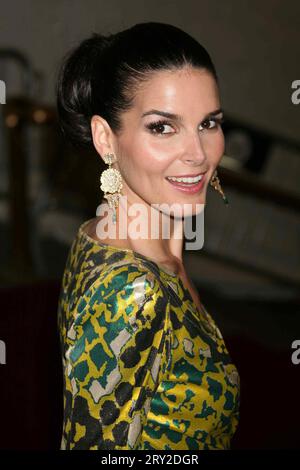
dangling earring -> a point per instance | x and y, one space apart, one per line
215 183
111 184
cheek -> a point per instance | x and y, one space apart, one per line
152 158
143 169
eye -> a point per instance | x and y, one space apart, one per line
157 127
216 123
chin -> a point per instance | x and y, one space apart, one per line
181 210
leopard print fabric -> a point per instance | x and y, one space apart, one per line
143 367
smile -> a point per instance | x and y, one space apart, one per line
185 179
189 184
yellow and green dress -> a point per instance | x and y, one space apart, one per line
143 367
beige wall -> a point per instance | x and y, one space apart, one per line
255 45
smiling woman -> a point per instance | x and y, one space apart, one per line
145 365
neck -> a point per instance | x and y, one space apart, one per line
147 229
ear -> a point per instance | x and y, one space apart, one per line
102 135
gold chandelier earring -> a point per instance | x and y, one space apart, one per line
111 184
215 183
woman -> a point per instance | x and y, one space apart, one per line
145 366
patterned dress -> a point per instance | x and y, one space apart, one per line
143 367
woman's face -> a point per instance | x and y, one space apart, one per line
152 147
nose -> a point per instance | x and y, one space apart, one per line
195 152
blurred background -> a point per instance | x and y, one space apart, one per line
247 273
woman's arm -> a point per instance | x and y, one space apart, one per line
114 358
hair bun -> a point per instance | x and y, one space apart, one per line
74 89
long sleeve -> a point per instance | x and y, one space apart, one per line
115 351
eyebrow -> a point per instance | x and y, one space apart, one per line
177 117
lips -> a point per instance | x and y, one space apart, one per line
190 188
186 176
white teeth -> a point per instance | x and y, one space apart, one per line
186 180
